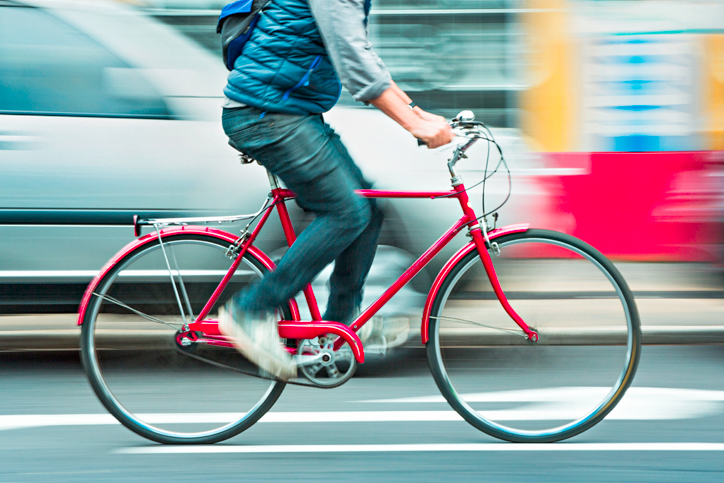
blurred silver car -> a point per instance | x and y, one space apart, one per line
106 113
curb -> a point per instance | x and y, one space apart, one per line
69 339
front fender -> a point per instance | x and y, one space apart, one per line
497 233
151 237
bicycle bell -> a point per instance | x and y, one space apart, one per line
465 116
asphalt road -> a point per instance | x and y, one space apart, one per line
681 437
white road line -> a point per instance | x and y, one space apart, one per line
360 416
639 403
19 421
566 393
417 448
642 404
41 420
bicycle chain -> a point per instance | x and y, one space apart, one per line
241 371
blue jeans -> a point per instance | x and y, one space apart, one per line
305 153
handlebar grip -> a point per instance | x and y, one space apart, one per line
420 142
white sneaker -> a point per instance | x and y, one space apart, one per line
381 333
257 338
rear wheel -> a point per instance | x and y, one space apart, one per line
140 370
589 329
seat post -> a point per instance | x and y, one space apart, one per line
273 180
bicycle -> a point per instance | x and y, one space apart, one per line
139 329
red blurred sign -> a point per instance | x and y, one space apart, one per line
657 206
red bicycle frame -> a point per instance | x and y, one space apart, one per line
293 329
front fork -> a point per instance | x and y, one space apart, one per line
483 244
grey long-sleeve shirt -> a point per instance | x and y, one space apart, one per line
344 31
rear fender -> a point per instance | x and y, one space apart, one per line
497 233
150 238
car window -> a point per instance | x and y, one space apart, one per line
49 67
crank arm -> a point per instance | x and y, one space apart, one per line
305 360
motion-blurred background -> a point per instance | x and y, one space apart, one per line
610 113
611 117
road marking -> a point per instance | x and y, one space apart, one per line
565 393
20 421
639 403
417 448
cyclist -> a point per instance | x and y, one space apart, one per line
288 75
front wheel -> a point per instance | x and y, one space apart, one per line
589 329
153 381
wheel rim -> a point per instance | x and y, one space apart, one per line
138 369
559 400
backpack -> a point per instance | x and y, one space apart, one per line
236 23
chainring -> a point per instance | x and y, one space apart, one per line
322 365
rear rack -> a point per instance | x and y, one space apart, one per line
135 218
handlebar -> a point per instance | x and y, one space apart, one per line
466 126
465 120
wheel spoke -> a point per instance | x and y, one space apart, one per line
112 300
171 388
470 322
503 385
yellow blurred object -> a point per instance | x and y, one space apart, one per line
713 98
549 105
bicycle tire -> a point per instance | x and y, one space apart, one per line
135 374
515 405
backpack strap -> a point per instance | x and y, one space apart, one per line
236 24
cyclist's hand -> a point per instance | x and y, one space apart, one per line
433 133
427 116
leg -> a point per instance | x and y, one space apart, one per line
300 150
311 160
353 264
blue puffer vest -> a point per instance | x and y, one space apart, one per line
284 66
